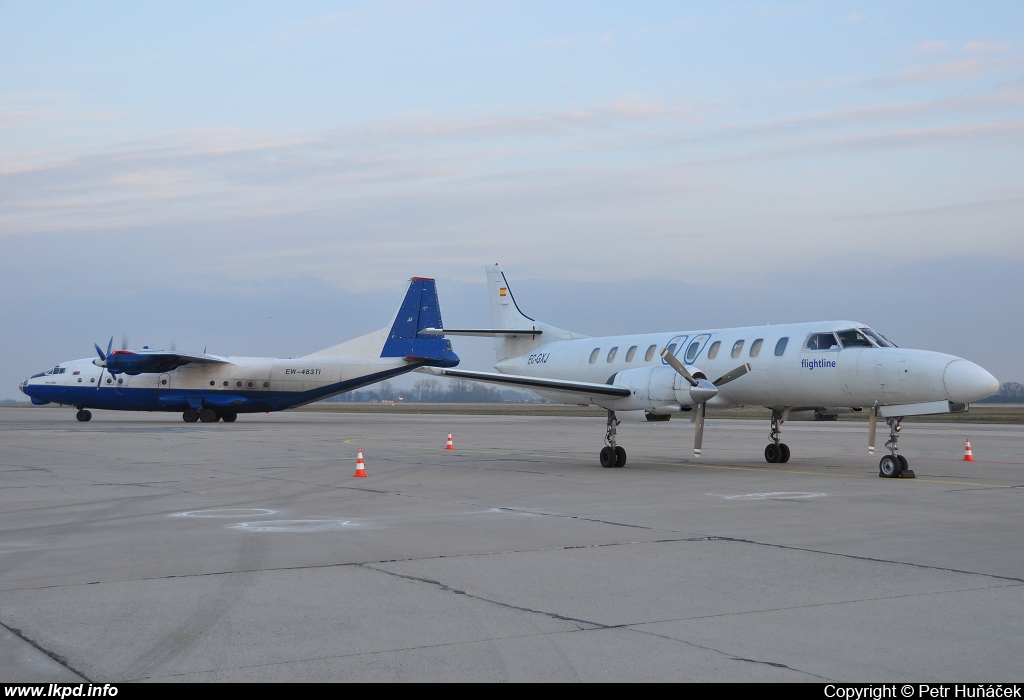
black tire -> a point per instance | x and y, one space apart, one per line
889 467
228 417
607 457
620 457
208 415
84 416
772 453
784 453
190 415
904 465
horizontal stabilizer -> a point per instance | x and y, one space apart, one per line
481 331
535 382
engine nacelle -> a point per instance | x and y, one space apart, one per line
658 390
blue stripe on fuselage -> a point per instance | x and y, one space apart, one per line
153 399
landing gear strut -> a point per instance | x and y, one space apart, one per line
83 415
611 454
776 452
894 465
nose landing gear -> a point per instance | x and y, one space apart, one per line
894 465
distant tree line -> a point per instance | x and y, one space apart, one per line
435 391
1009 392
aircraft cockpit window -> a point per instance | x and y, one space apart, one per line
593 355
650 353
854 339
821 341
780 347
755 347
611 353
880 340
630 353
737 348
691 352
713 350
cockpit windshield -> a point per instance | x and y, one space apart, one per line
862 338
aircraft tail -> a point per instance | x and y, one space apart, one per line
506 315
419 309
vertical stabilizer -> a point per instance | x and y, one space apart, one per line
506 315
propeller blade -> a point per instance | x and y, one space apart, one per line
110 345
99 351
124 342
698 428
675 364
872 420
100 380
732 374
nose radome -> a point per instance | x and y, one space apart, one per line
966 382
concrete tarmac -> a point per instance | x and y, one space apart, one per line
140 548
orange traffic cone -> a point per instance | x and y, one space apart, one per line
449 446
968 457
360 467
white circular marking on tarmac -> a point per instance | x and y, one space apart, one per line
771 495
295 526
224 513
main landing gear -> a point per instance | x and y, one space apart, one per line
612 456
84 415
776 452
894 465
206 415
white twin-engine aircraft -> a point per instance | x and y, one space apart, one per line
801 371
211 388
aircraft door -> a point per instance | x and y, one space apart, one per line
675 346
163 381
694 348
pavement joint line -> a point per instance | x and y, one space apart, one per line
56 657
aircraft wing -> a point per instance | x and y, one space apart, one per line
148 360
532 382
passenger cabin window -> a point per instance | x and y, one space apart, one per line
737 348
630 353
713 350
691 352
780 347
853 339
671 348
822 341
650 353
593 355
611 353
755 347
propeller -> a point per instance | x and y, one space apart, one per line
101 362
872 420
702 391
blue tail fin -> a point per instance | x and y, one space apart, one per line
419 310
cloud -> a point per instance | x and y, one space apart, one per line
958 69
931 46
986 47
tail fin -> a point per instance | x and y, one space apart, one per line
506 315
419 309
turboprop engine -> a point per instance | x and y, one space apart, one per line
664 390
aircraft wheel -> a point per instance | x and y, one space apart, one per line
190 415
620 457
84 416
228 417
607 457
783 453
772 453
889 467
207 415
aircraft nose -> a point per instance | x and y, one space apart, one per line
21 387
966 382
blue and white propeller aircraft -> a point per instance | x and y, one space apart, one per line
210 388
801 371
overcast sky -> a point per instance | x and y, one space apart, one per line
262 178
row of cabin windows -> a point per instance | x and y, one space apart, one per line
694 349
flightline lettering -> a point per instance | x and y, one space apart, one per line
814 364
302 371
538 358
923 690
60 690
